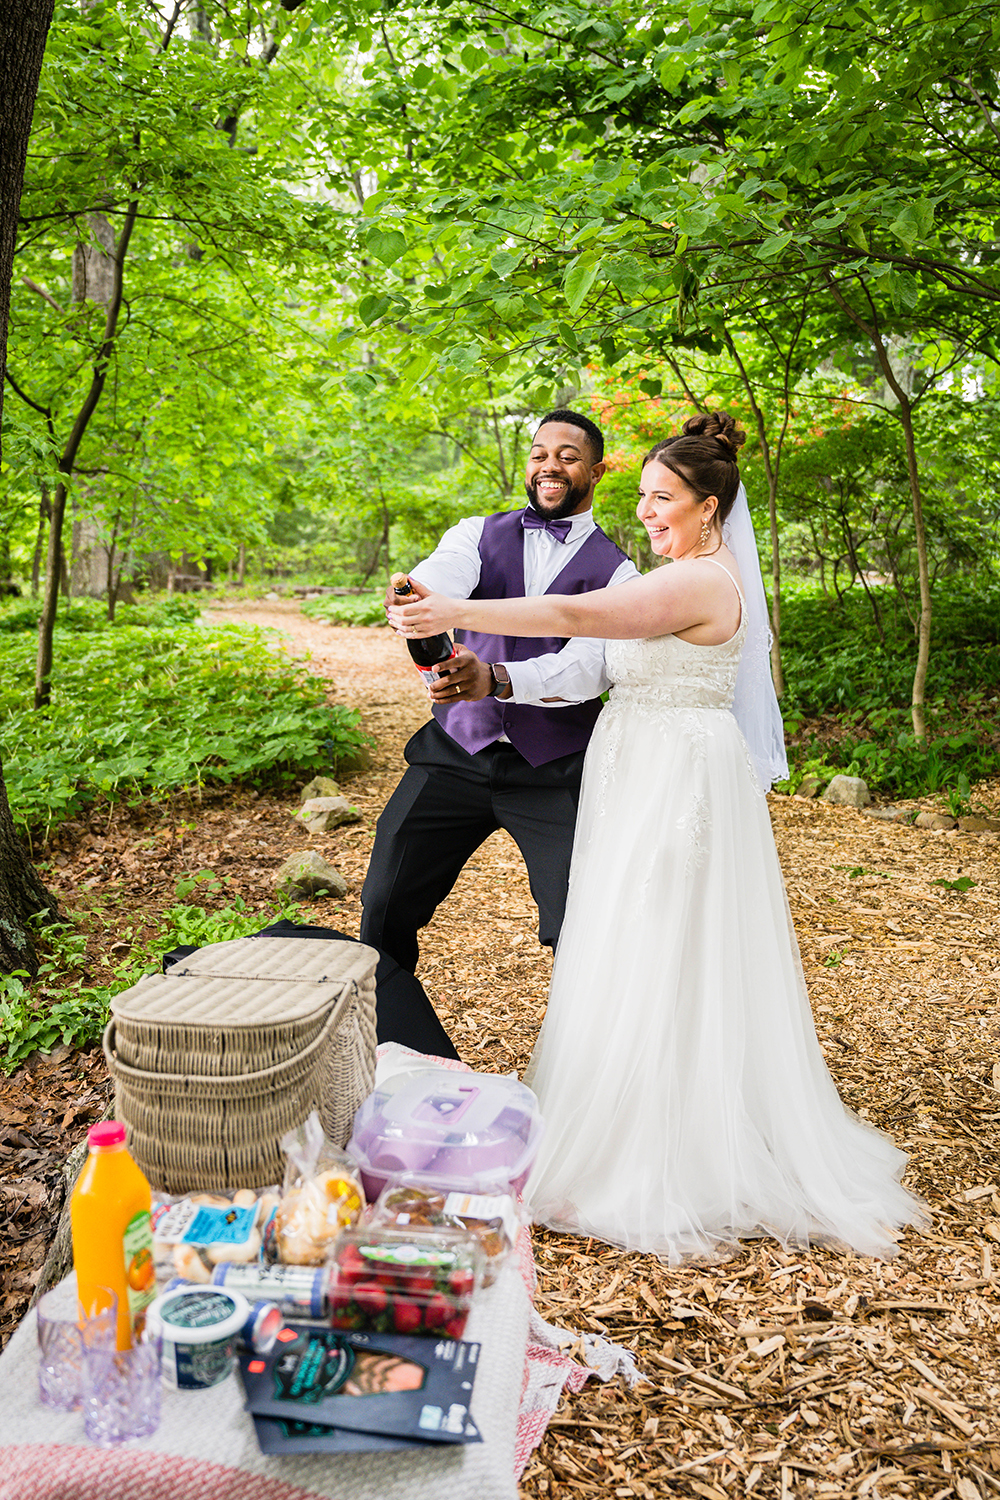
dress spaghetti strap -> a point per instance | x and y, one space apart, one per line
739 591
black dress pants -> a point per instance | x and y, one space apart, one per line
447 804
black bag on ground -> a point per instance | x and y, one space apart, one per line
404 1013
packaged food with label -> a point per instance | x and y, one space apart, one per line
322 1194
199 1327
494 1218
194 1234
297 1291
391 1280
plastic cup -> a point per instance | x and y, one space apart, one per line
121 1391
62 1321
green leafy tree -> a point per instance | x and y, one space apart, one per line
23 29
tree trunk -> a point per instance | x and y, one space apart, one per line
22 897
24 25
44 511
67 461
920 533
905 414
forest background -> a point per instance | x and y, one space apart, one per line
293 282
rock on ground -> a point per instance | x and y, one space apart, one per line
849 791
320 786
307 874
321 814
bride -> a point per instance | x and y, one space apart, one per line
686 1099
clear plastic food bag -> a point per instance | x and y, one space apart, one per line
321 1195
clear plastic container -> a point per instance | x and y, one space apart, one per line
494 1219
463 1132
386 1280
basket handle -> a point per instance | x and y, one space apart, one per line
139 1075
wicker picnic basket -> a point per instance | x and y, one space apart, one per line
214 1061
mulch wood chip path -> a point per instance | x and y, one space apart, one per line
777 1374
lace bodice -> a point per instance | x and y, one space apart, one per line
667 672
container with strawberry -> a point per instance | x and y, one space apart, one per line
388 1280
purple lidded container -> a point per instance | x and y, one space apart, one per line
458 1132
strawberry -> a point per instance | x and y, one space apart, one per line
351 1265
371 1297
461 1283
455 1326
438 1311
406 1317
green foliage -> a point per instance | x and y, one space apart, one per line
145 711
836 662
845 703
65 1007
186 923
347 609
83 614
34 1025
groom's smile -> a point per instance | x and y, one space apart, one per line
561 472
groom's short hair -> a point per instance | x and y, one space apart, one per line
576 419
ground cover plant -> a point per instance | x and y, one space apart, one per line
848 668
348 609
143 710
68 1004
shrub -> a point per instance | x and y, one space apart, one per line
347 609
146 711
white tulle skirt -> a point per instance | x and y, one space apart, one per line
686 1099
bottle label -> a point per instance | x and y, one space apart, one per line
433 675
140 1271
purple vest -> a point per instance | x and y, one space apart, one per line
540 734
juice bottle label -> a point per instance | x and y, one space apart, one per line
140 1271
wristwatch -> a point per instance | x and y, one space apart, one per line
500 676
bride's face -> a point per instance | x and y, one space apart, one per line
671 512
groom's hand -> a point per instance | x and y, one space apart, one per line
465 672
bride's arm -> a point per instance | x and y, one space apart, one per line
670 599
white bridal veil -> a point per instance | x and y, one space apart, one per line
755 705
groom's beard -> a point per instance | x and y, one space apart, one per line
555 510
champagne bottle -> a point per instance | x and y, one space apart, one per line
429 653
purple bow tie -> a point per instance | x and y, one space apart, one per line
532 521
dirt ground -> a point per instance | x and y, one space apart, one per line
776 1374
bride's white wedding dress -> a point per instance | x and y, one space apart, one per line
686 1099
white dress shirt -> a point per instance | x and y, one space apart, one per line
573 674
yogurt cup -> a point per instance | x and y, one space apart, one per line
199 1326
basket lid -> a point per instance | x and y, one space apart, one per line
211 1000
319 960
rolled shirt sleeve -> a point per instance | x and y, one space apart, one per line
453 566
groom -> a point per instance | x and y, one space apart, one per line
512 717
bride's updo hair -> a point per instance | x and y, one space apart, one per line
703 454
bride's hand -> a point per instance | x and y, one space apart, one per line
423 613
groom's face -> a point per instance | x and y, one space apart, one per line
561 472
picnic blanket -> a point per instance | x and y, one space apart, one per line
205 1448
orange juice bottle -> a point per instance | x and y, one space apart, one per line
112 1228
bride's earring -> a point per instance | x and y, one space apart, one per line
706 532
